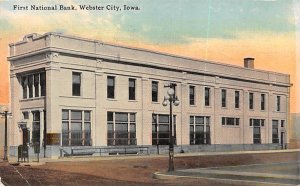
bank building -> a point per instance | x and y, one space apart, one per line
71 93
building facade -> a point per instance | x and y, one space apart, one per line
68 91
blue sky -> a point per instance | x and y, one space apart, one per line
173 21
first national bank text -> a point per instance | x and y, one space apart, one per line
109 7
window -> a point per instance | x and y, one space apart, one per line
256 122
223 97
230 121
278 103
256 135
110 87
30 86
282 123
76 83
207 96
199 130
192 95
237 99
251 101
36 85
24 84
25 115
262 102
121 128
36 127
76 128
160 129
87 128
131 89
43 83
154 91
33 85
275 136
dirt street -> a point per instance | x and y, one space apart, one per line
131 171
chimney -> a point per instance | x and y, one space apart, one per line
249 62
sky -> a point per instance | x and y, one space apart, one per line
217 30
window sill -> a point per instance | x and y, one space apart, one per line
111 99
155 102
132 100
32 99
208 106
231 126
193 105
237 108
224 108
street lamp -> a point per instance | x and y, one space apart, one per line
172 99
5 114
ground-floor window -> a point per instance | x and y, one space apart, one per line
76 128
36 127
275 136
199 130
121 128
160 129
257 124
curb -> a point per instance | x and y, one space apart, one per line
161 176
27 164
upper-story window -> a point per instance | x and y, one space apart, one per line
111 87
30 86
223 100
262 101
154 91
131 89
76 83
33 85
236 99
192 95
251 100
230 121
282 123
207 96
24 84
278 103
36 85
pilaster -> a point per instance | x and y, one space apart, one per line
53 111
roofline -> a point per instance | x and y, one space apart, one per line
150 51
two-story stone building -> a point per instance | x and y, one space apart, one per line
68 91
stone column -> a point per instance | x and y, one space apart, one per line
99 125
14 135
144 131
53 112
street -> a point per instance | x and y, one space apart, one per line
129 170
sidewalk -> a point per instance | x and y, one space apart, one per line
257 174
33 160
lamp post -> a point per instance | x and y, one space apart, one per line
173 99
5 114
